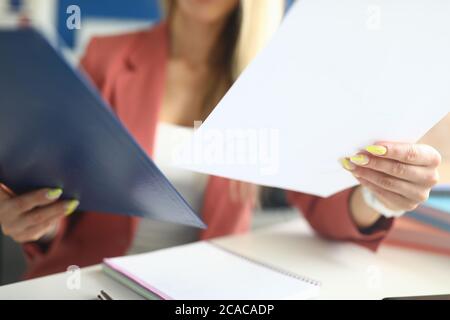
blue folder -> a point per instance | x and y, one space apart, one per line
56 131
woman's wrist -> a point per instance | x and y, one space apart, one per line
363 216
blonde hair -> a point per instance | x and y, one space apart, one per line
248 30
259 20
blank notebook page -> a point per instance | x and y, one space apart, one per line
206 271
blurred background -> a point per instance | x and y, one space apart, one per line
100 17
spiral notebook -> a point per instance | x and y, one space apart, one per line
206 271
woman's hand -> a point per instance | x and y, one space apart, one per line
31 216
400 175
243 191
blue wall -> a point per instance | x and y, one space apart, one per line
15 4
145 10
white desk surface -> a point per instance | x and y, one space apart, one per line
346 271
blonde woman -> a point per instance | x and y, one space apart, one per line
160 81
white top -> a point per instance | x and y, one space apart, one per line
153 235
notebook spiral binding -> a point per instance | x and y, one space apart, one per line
269 266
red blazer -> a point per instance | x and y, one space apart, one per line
129 70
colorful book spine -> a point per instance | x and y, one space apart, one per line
435 212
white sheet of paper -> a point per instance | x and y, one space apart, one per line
337 76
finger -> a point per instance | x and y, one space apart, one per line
39 216
417 154
421 175
391 200
249 192
5 192
35 232
246 191
11 208
389 183
254 194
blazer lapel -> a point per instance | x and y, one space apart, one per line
140 83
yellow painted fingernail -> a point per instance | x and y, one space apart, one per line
347 164
54 194
72 206
377 150
360 159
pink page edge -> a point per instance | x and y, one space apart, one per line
137 280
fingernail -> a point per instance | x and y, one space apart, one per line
54 194
347 164
360 159
72 206
377 150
